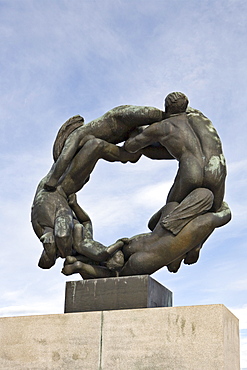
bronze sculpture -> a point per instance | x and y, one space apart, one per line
194 206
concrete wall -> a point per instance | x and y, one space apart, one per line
194 338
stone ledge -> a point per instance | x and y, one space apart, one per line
193 337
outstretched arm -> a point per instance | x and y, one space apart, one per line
153 151
83 219
149 136
114 153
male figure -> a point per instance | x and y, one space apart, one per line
146 253
190 138
193 141
115 126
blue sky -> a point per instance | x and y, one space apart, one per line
61 58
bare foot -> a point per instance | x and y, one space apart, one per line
72 268
175 265
116 262
192 256
69 260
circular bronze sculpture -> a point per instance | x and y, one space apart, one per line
194 206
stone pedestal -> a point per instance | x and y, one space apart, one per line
139 291
172 338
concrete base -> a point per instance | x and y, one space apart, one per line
178 338
140 291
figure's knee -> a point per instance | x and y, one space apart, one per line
94 145
205 194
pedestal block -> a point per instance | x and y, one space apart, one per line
172 338
139 291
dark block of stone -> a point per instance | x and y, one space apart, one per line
140 291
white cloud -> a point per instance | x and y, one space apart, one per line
239 285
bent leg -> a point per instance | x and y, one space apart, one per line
169 248
161 214
154 219
196 232
197 202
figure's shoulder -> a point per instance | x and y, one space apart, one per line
194 112
164 127
196 116
200 123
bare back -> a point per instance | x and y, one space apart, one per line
215 166
177 135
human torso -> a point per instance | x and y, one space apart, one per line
215 166
180 139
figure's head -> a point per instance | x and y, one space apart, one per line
176 102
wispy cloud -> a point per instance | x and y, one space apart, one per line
63 58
